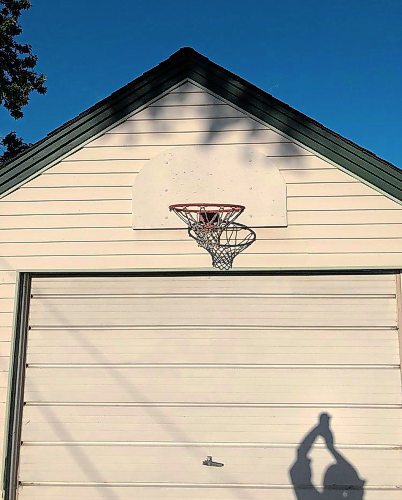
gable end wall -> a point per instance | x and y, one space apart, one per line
78 214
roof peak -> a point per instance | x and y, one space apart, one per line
187 63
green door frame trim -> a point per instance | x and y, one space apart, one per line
15 400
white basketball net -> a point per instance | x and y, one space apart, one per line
214 229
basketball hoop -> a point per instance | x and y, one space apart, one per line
207 215
212 226
233 240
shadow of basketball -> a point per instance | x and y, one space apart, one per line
341 480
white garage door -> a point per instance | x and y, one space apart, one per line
131 382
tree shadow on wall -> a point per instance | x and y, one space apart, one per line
341 480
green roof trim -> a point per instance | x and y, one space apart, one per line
186 63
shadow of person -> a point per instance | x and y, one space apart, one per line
341 480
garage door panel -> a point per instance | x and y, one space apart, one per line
214 385
214 433
268 465
169 493
206 424
212 311
351 355
199 337
341 397
203 302
343 284
138 379
209 346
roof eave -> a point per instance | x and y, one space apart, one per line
187 63
308 132
93 121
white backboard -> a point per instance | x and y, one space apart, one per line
209 174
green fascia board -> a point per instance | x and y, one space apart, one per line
308 132
92 122
189 64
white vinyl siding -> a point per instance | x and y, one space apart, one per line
78 214
7 300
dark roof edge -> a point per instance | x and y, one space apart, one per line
310 133
94 120
187 63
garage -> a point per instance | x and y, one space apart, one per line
200 299
131 382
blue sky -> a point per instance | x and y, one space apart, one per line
338 61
